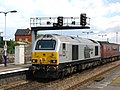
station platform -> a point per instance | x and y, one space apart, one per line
111 81
10 68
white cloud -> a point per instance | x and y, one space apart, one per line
114 7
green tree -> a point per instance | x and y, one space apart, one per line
1 44
11 46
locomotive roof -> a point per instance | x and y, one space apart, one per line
106 42
70 39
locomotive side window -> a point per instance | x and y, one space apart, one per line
74 52
45 45
64 49
96 50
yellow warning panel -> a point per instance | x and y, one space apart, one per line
116 82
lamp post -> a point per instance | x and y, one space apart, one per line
88 33
102 35
116 37
1 33
5 46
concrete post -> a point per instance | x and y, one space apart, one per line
19 54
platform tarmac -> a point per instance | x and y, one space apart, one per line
13 68
111 81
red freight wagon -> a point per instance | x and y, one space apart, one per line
109 49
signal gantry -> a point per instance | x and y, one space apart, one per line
58 23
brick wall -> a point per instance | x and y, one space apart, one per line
23 38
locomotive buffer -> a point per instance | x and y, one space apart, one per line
58 23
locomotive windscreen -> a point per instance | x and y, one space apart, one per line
45 45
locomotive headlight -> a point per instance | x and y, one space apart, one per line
53 61
34 60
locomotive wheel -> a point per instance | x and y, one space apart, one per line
61 74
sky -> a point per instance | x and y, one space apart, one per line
104 16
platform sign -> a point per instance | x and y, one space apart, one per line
5 47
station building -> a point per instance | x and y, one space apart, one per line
23 35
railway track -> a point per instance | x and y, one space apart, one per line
13 84
68 83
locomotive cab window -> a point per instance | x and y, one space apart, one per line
45 45
96 50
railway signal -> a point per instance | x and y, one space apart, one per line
60 21
83 19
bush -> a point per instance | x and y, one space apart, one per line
1 59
